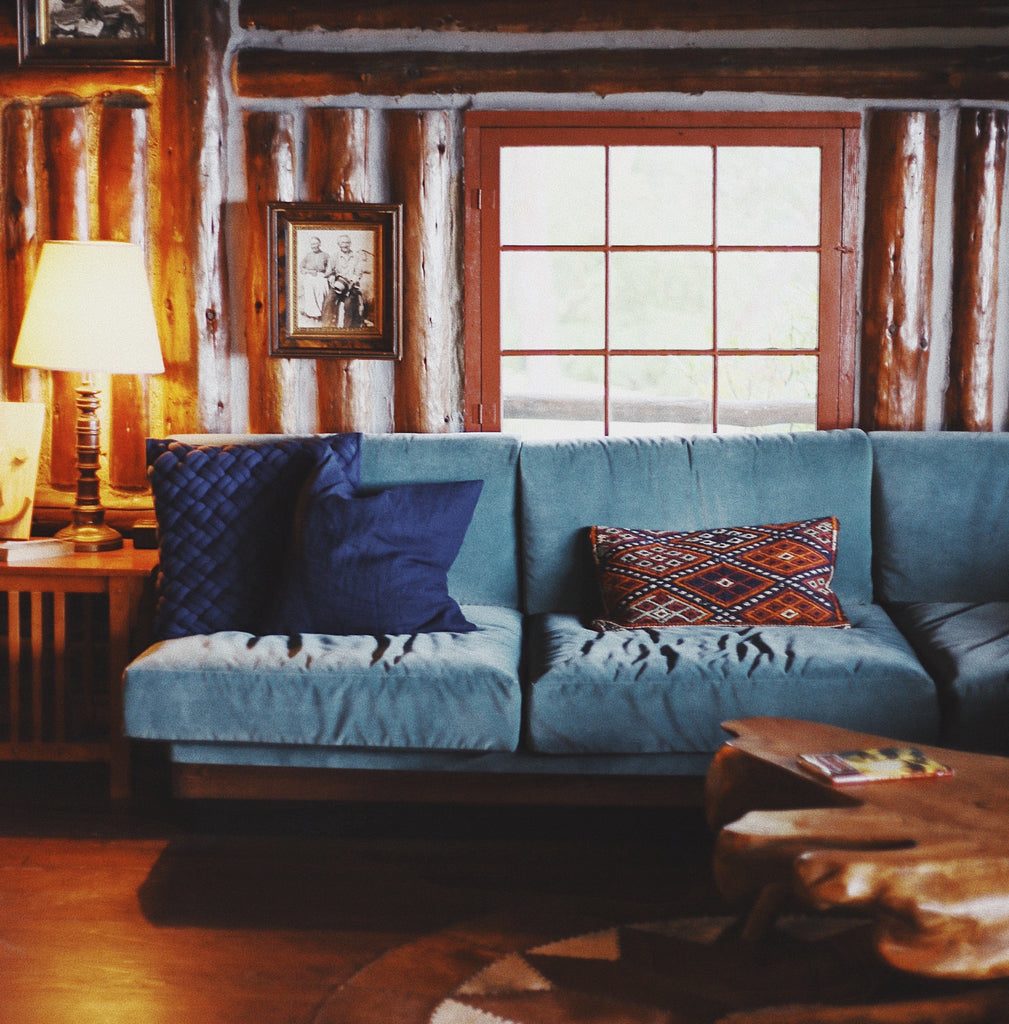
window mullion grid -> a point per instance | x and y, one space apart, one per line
606 294
714 290
715 351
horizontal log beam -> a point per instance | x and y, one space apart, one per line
589 15
923 73
18 83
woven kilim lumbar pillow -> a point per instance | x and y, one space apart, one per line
727 576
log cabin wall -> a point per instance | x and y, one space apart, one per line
333 102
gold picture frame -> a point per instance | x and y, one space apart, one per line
335 289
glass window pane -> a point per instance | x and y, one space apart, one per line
552 300
552 396
661 300
768 195
661 195
768 300
766 393
553 195
660 395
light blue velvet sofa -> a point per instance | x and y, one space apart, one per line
535 704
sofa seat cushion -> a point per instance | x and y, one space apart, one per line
427 691
669 689
966 649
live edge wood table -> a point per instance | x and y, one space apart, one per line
928 859
54 657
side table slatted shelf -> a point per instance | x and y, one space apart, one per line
72 623
55 676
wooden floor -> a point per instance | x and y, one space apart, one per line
160 913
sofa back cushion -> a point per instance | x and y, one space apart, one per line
486 568
940 512
686 484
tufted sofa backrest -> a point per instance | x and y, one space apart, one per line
687 484
941 516
486 569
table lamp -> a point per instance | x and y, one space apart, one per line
90 312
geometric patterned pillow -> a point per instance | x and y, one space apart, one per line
728 576
225 515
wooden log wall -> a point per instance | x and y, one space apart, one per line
605 16
192 285
122 217
897 328
422 391
277 402
980 182
131 155
342 165
427 174
65 138
897 289
75 167
184 161
21 233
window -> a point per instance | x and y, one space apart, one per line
659 273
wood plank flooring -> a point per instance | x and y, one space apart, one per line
161 913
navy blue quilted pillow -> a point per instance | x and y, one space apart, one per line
224 521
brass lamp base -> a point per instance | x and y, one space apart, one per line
87 529
92 536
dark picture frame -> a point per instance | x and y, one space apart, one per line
88 33
335 286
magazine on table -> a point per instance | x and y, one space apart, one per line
874 764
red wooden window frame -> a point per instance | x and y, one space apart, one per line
835 133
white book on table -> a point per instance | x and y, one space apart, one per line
19 552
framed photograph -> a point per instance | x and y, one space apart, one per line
90 33
335 285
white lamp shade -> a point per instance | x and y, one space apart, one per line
90 311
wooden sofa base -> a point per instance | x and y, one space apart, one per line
240 782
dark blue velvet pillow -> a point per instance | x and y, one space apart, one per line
224 515
375 563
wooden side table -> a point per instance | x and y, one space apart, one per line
47 648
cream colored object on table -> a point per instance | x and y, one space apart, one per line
21 425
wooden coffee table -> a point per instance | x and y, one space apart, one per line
927 859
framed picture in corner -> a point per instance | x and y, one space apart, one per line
95 33
335 282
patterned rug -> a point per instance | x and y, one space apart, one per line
598 976
494 918
685 971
